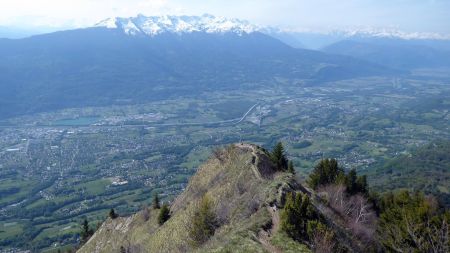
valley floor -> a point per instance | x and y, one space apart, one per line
57 168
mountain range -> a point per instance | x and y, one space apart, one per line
151 26
148 58
395 53
212 24
133 60
319 39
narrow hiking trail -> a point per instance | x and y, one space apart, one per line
265 236
252 148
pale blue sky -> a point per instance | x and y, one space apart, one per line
407 15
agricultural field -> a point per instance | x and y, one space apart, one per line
61 167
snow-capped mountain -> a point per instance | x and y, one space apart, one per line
319 38
151 26
392 33
154 25
365 32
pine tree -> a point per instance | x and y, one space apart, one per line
204 222
155 203
325 172
361 182
291 168
288 216
355 184
164 214
341 179
295 215
278 157
112 214
352 187
99 224
85 231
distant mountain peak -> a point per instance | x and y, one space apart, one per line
154 25
389 32
369 32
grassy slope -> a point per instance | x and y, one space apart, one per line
240 195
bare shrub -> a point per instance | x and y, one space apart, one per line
145 213
429 236
323 242
362 218
335 197
439 237
224 154
219 154
355 210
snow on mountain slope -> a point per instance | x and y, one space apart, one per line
364 32
155 25
393 33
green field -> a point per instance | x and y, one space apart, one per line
82 121
61 172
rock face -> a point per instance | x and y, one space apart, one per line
242 184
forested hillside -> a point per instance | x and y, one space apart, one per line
426 168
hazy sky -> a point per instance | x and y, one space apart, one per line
408 15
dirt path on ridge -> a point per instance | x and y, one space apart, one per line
264 236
